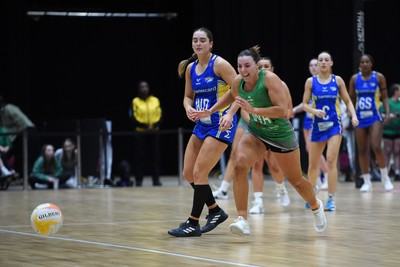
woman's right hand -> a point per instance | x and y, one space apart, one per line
190 113
225 122
319 113
198 114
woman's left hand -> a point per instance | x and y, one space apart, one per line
243 104
354 121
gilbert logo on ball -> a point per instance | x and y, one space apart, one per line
46 219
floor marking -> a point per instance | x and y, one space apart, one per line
127 247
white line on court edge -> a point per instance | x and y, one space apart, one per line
127 247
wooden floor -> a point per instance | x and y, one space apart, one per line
128 227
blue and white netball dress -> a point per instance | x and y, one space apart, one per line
209 88
327 98
368 105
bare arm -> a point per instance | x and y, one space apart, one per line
306 100
307 94
275 89
189 94
352 90
244 115
289 96
233 109
346 99
280 101
384 95
226 121
298 108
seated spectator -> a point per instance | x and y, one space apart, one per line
67 155
46 170
15 122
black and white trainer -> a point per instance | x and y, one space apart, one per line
185 229
213 220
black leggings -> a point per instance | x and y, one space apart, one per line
147 155
33 180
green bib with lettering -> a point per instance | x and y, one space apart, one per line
278 132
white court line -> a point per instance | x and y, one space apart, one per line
99 223
128 247
252 217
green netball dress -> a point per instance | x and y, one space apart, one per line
278 133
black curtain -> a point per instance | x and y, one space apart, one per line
82 68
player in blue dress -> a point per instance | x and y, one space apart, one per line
367 88
207 78
325 91
307 125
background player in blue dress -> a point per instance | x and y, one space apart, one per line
325 90
207 78
307 124
367 89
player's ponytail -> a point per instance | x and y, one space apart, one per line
184 63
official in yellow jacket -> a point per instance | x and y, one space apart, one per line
146 114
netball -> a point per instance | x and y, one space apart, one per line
47 219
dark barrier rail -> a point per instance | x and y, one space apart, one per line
101 135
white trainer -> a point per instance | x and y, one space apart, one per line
258 206
366 187
319 218
278 192
240 226
324 185
387 184
285 199
220 194
41 186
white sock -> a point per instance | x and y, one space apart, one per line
325 177
384 173
366 177
280 186
258 195
225 186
